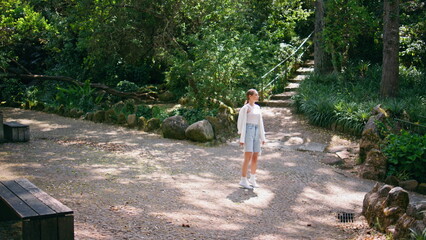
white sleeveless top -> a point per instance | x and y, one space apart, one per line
253 114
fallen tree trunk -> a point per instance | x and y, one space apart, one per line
142 96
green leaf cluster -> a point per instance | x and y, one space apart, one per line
80 97
233 45
406 152
344 100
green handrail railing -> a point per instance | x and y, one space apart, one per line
262 88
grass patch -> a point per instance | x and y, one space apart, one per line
344 101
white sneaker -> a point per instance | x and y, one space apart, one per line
245 184
253 182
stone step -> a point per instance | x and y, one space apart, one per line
291 87
297 78
276 103
304 70
283 96
308 63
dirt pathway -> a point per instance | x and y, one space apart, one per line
127 184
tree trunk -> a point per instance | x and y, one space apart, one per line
389 84
322 60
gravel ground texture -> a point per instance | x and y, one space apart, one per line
128 184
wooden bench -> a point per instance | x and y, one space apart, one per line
16 132
42 216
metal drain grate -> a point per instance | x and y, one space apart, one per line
345 217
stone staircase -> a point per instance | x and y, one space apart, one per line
284 99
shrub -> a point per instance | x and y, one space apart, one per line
193 115
81 97
143 111
127 86
346 99
406 152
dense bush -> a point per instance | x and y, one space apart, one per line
406 153
80 97
345 100
193 115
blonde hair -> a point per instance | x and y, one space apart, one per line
249 93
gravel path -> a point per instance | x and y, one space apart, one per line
127 184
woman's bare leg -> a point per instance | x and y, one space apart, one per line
254 158
247 158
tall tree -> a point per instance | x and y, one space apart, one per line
389 84
322 59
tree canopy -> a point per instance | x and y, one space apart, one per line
213 49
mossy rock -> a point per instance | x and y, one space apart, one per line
110 116
118 107
132 121
121 119
166 96
201 131
39 106
89 116
75 113
49 109
99 116
153 124
60 110
142 123
174 127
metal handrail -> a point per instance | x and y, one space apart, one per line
294 52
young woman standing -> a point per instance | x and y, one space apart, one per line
252 134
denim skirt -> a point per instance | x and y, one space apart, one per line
252 141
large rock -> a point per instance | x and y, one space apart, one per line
224 123
374 162
201 131
414 219
374 167
410 185
371 138
174 127
383 206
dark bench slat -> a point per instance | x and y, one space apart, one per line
54 204
16 203
33 202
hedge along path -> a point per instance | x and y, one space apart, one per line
128 184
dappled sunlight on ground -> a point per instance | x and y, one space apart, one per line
126 184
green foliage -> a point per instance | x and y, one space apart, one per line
11 91
126 86
418 235
143 111
80 97
413 34
344 100
407 152
160 113
23 33
345 21
193 115
232 48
